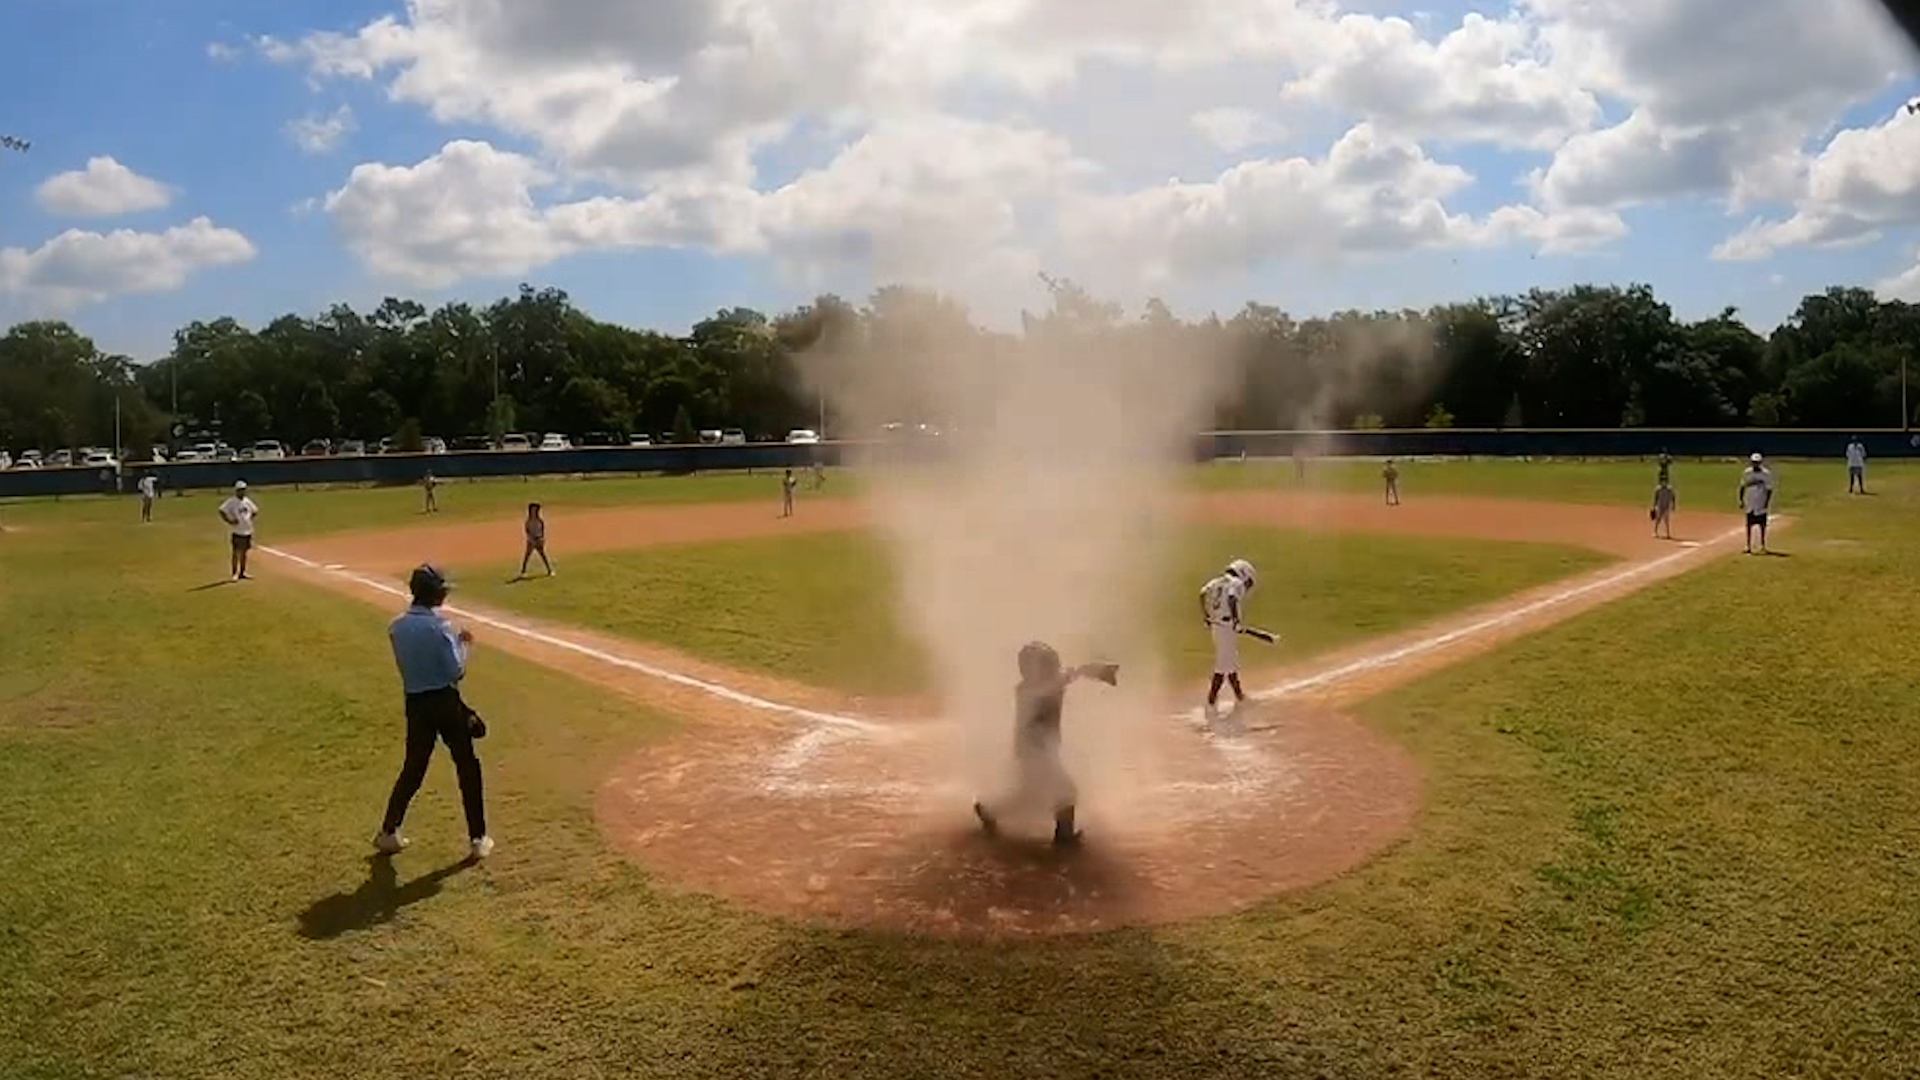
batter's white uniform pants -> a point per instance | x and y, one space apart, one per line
1226 649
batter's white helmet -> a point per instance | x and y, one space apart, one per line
1241 569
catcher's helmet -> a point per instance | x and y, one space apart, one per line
1038 661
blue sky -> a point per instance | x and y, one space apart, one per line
138 84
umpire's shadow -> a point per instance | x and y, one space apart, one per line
376 901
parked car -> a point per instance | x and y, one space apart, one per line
473 442
157 455
33 456
27 463
316 448
60 459
100 459
352 448
711 437
516 443
436 445
641 439
555 442
268 450
223 452
733 436
803 437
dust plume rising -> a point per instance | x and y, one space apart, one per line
1039 511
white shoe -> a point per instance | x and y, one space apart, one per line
480 848
389 843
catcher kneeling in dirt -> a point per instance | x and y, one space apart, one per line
1042 780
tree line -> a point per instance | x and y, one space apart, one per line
1587 356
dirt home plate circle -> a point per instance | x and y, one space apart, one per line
841 827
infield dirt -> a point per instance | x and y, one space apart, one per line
849 824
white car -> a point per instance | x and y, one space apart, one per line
556 442
268 450
733 436
100 459
515 442
639 440
803 437
27 463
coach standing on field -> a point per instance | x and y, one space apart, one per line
432 657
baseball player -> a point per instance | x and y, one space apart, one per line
1222 601
149 490
432 658
1856 466
238 512
819 476
1392 476
536 541
1041 779
787 484
1756 496
1664 500
428 484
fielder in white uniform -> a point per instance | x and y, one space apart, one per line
1222 601
238 512
149 490
1856 466
1756 497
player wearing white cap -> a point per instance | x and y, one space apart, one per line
1221 604
238 512
1756 498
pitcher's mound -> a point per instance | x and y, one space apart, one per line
826 825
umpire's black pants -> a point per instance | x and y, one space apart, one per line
439 715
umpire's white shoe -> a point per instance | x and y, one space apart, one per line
389 843
480 848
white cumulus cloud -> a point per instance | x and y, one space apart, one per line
318 134
972 140
77 267
105 188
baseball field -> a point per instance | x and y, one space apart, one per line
1522 792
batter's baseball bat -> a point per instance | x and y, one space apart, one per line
1258 634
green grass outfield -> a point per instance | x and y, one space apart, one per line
822 608
310 511
1678 837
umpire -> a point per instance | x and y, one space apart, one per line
432 658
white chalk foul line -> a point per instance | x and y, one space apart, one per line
1246 766
725 693
1391 657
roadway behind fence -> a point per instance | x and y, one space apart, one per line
395 469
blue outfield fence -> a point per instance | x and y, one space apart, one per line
396 469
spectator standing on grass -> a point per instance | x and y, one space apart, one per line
1856 467
432 658
1756 498
1392 476
536 540
428 485
787 484
149 489
238 512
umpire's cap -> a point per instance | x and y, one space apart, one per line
427 582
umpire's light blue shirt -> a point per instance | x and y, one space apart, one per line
427 650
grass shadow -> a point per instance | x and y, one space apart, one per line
376 901
211 585
1115 1006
